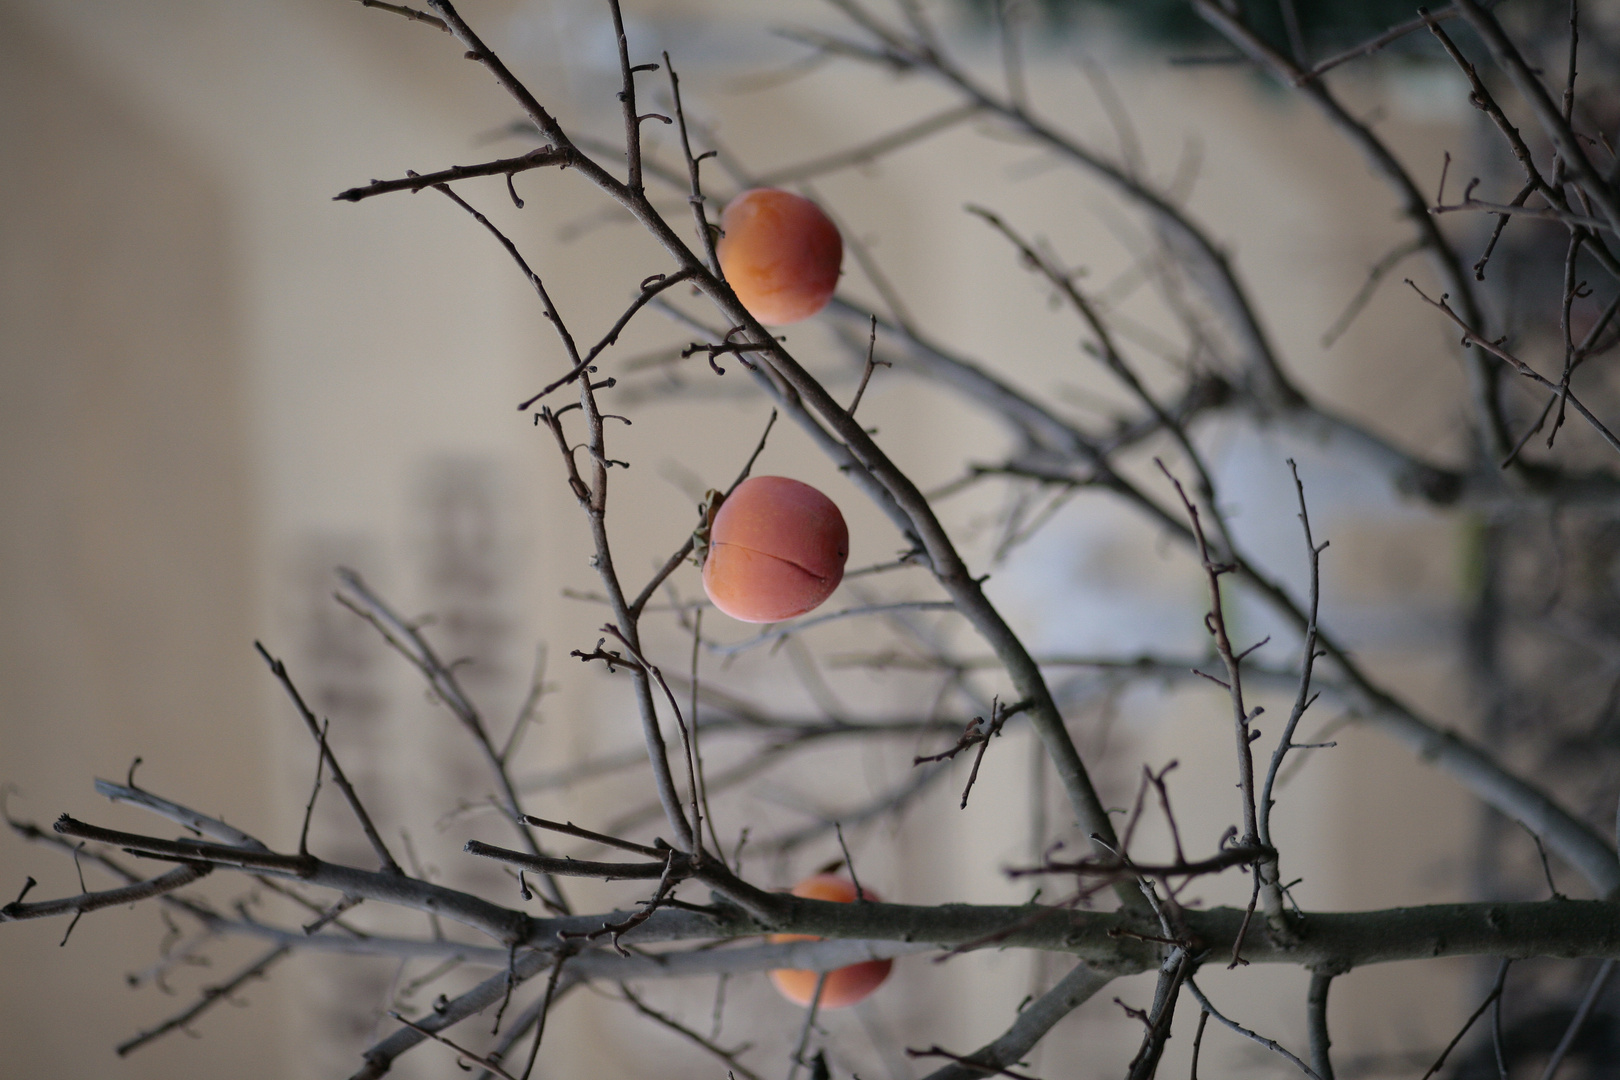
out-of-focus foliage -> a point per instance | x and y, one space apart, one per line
1323 23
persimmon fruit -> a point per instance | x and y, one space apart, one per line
845 985
780 254
776 549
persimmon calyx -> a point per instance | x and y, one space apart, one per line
709 507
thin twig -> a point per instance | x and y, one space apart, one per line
408 12
1034 1020
727 1056
1495 349
694 170
639 604
1375 275
462 1053
650 288
866 374
1308 657
211 995
1269 1044
1494 996
1367 48
868 152
407 639
797 1057
508 167
1593 991
279 670
545 1010
309 808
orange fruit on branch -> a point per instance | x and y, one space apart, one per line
776 549
780 254
845 985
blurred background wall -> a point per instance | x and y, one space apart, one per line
217 384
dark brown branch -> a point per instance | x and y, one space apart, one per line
1546 111
552 984
1339 941
871 364
627 103
537 113
566 867
694 171
279 670
1266 880
1496 230
1546 213
978 733
649 289
695 846
526 1020
508 167
1571 355
639 604
1241 855
1198 1042
1473 337
1551 190
570 829
1302 700
393 888
462 1053
593 496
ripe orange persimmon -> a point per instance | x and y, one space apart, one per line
845 985
780 254
776 549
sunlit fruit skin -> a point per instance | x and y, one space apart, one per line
780 254
776 549
845 985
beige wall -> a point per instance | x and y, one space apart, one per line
128 539
217 383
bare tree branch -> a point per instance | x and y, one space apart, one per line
1034 1021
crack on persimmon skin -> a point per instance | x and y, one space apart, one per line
822 578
